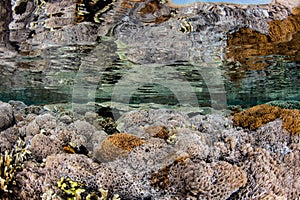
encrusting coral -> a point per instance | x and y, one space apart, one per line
259 115
291 120
116 145
256 116
158 131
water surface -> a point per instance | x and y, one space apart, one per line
215 63
186 2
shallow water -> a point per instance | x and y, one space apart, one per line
204 68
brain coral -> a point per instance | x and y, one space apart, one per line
259 115
116 145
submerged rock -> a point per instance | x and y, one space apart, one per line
6 115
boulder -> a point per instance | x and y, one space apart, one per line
6 115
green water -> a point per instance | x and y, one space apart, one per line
57 83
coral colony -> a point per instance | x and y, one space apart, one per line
158 154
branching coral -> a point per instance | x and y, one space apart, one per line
76 191
10 163
72 189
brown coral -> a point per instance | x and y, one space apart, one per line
116 145
158 131
246 44
125 141
291 120
259 115
256 116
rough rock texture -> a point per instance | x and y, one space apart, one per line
43 146
178 157
6 117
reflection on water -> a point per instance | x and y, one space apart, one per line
185 2
211 57
266 65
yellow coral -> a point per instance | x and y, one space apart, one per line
71 188
11 162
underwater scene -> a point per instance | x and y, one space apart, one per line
149 99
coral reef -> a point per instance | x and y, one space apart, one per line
291 120
256 116
72 190
6 117
43 146
42 123
158 131
116 145
259 115
10 163
108 125
281 39
208 158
